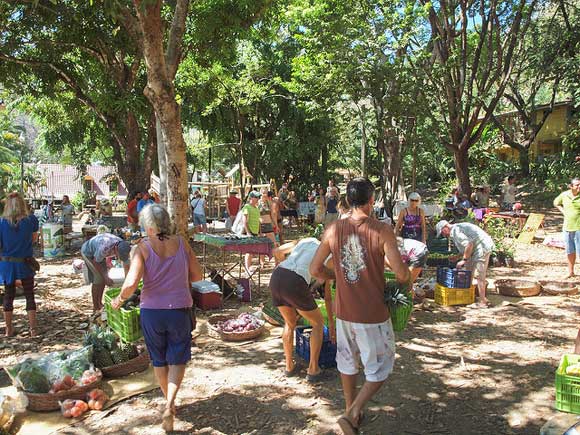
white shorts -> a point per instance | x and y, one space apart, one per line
371 343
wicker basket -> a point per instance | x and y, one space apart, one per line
137 364
518 288
49 401
555 288
232 336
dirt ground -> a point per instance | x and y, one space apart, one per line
459 370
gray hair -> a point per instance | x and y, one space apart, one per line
156 217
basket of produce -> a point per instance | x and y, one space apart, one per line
115 358
240 328
555 288
54 377
440 258
50 401
400 305
517 288
125 320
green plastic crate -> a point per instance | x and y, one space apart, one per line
320 303
124 322
567 386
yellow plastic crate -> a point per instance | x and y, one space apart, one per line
454 296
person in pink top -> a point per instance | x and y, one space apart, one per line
167 265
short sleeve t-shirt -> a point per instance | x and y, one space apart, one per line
234 205
198 205
464 233
143 203
571 205
509 193
300 258
253 215
100 247
411 250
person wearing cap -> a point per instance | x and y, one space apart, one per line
411 220
475 247
251 220
233 204
95 252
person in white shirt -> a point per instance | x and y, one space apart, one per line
290 288
475 247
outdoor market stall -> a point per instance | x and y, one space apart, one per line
233 243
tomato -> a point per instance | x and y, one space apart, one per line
99 405
68 381
76 412
82 405
67 413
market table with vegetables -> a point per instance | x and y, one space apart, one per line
234 243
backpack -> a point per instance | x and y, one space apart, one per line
238 225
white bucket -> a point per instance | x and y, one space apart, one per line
117 275
53 240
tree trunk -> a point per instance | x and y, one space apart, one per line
160 91
525 160
390 149
162 162
133 166
461 159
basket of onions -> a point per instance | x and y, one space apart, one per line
241 328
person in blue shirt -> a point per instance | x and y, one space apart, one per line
95 252
18 231
144 201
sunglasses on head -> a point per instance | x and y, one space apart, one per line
414 200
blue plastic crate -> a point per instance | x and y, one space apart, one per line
327 357
453 278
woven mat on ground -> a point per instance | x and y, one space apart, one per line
35 423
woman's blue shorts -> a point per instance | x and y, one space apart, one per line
167 335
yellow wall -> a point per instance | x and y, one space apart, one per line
549 138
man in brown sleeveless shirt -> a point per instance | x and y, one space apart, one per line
359 245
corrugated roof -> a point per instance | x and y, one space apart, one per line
66 180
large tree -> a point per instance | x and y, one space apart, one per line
160 30
473 46
72 49
536 81
358 53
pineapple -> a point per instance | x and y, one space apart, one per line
102 340
124 352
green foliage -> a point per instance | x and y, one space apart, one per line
81 198
503 235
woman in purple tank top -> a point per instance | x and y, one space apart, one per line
411 220
167 265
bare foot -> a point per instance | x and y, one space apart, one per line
33 332
10 333
570 275
167 424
